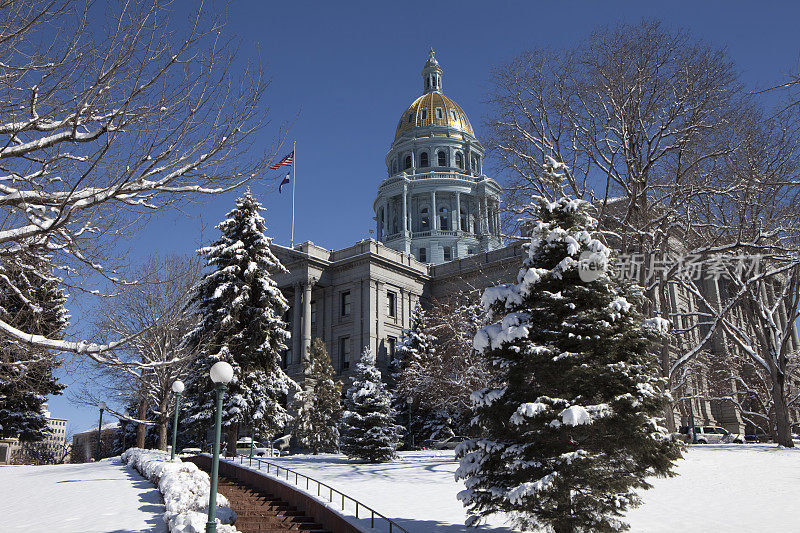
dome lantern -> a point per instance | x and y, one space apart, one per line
432 75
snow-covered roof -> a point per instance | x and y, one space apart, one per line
110 425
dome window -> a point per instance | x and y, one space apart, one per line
410 117
453 114
442 159
424 114
408 162
423 159
459 160
439 113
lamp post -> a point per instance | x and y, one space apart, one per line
252 440
102 407
177 388
221 374
690 392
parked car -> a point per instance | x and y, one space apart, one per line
259 449
449 443
711 435
191 451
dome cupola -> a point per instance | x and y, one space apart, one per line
432 74
437 203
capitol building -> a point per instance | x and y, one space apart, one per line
437 233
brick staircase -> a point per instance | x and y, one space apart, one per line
260 512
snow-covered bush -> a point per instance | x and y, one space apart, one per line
185 489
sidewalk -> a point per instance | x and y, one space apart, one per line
83 498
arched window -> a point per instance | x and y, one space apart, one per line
424 220
423 159
427 83
459 160
464 225
442 159
394 167
444 218
408 162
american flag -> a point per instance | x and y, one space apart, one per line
285 162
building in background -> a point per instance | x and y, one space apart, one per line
84 444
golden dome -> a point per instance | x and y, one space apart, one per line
433 109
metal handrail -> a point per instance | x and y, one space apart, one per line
393 526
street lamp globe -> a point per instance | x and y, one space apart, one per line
178 387
221 372
101 406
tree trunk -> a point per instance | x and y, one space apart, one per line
783 426
141 429
163 424
233 436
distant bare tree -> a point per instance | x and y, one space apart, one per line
112 112
154 306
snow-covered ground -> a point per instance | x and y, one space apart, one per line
83 498
728 488
725 487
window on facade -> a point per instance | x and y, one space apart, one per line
427 83
313 312
394 167
424 220
471 251
439 112
448 253
408 161
391 348
346 303
424 114
423 159
344 353
391 304
459 160
474 164
442 159
423 256
444 218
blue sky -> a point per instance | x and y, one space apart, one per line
347 70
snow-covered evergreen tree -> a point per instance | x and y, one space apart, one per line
573 431
32 301
416 353
368 430
240 309
317 422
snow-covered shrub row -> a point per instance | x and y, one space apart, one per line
185 489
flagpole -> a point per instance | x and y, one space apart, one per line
294 157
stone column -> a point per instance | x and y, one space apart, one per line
306 320
296 326
457 225
405 209
434 214
485 216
